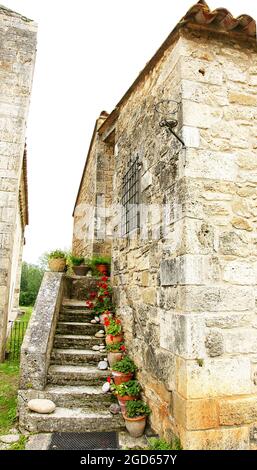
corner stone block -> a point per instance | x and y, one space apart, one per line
213 165
183 335
196 414
216 299
214 377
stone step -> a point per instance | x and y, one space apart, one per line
76 316
76 375
77 328
78 396
72 420
76 356
76 341
74 304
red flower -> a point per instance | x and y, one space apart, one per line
118 322
111 337
104 278
109 379
89 304
123 348
106 322
93 295
104 286
100 299
106 293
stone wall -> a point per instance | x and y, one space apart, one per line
187 297
94 199
17 58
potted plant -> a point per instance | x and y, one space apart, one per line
113 331
123 370
135 417
78 265
115 352
102 264
57 261
127 391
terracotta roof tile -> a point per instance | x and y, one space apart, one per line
221 19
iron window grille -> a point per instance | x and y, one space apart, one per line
130 198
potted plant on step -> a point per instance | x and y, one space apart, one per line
102 264
113 331
135 417
115 352
80 268
123 370
57 261
127 391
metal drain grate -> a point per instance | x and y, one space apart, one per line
84 441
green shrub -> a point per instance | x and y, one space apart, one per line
114 327
76 260
131 388
161 444
126 365
56 254
114 347
100 260
136 408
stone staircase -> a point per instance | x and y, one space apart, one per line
74 383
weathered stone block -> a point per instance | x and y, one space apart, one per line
241 340
214 343
195 414
197 298
214 377
182 334
237 411
217 439
240 272
213 165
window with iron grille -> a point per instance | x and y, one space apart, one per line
130 198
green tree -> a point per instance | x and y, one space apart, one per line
31 277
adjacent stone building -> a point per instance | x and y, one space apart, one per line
17 59
185 253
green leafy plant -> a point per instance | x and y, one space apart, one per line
126 365
76 260
100 260
114 347
56 254
131 388
135 408
113 327
161 444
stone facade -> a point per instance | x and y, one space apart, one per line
94 199
185 283
17 59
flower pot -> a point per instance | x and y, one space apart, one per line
102 268
120 377
110 339
135 426
81 270
57 265
123 400
114 357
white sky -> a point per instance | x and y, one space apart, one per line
89 53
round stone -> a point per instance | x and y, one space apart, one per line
99 335
96 348
114 408
97 319
93 321
101 331
41 405
106 387
103 365
9 438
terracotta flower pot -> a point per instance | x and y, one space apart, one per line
135 426
102 268
120 377
57 265
122 401
110 339
114 357
81 270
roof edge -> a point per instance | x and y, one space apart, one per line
8 12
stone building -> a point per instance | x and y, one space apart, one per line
185 251
17 59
